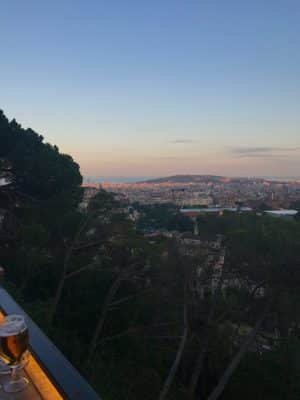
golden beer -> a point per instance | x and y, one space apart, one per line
13 339
13 347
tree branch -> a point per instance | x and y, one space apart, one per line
128 298
78 271
168 382
87 245
236 360
205 339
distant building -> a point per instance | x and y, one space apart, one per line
282 213
194 212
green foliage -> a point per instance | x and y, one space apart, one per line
270 376
144 321
163 216
37 170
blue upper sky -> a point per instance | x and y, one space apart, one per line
157 87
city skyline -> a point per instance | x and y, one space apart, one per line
160 88
95 180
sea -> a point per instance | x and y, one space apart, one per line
117 179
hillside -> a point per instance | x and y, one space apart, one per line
187 179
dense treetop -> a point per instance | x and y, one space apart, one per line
33 167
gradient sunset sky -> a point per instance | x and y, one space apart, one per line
160 87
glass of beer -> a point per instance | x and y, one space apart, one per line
13 346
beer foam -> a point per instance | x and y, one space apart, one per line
12 325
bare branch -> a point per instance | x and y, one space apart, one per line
128 298
79 271
237 358
205 339
87 245
119 335
168 382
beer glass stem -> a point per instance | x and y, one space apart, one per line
15 374
17 382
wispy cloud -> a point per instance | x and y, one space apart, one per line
168 158
182 141
263 151
250 150
182 158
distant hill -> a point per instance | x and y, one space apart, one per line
187 179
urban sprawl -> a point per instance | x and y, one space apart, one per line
208 193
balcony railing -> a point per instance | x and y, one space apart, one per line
51 375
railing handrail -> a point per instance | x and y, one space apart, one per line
63 375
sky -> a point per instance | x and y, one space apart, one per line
160 87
